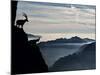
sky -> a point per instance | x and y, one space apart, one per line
53 18
88 2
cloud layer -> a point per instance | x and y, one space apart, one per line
57 18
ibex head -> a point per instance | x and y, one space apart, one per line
25 17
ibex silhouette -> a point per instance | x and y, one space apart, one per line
22 22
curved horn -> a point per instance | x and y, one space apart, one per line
24 14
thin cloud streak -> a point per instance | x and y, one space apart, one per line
60 19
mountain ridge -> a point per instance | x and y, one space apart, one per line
74 39
84 59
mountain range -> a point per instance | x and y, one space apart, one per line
74 39
84 59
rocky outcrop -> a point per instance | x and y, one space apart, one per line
26 57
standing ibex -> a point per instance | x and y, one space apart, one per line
21 22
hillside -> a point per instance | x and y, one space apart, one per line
82 60
26 57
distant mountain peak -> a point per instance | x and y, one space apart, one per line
74 39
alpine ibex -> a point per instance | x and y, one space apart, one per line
22 22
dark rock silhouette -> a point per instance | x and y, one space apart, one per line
13 11
33 36
82 60
26 57
34 41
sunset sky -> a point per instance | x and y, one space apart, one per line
61 19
